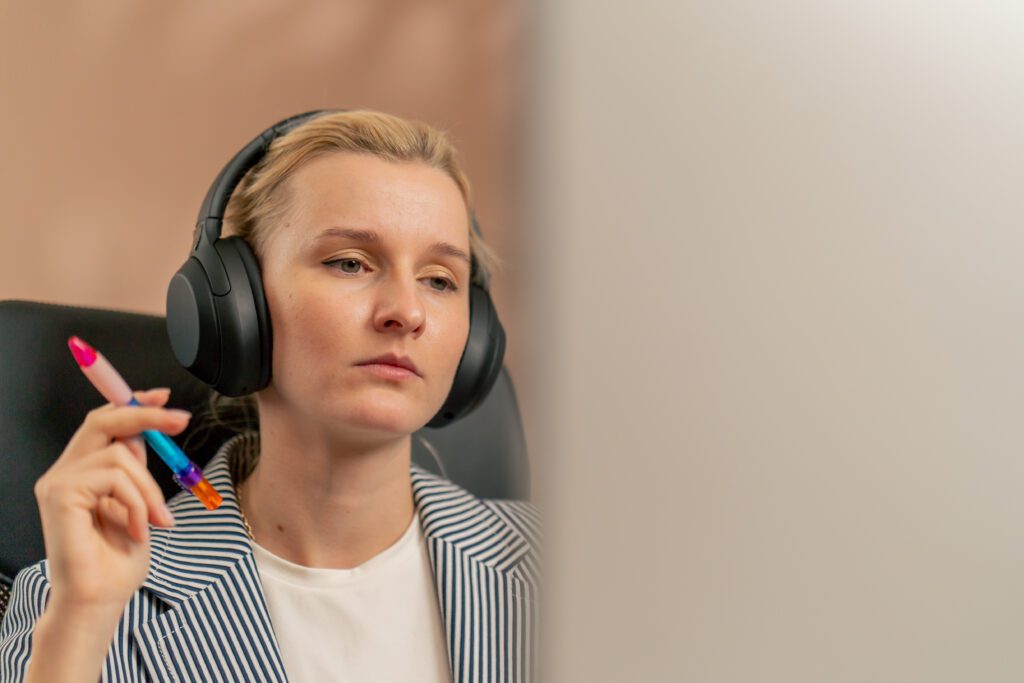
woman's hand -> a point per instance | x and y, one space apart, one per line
96 502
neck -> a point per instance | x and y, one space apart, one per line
318 500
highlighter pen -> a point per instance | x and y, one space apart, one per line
113 387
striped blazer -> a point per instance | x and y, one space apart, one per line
201 614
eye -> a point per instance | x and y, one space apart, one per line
346 265
450 285
345 262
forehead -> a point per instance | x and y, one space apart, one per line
403 201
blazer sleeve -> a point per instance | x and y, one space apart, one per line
29 596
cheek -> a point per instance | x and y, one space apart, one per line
308 327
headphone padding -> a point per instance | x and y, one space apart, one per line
244 322
481 360
192 322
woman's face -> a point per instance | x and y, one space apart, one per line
364 266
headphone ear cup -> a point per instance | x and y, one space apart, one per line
192 324
224 341
481 360
246 339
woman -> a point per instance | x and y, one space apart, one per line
332 557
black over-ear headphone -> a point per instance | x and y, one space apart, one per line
219 324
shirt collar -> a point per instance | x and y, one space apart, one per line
205 544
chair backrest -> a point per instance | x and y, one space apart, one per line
44 397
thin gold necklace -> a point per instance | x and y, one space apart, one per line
248 529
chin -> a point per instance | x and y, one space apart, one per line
389 418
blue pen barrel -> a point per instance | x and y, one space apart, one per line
167 450
186 473
165 447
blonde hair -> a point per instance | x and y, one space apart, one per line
261 201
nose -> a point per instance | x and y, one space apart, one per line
399 307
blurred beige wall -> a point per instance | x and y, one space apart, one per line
116 116
779 302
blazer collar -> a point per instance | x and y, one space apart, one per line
203 566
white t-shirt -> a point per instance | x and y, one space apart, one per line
379 621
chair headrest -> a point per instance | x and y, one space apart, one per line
44 397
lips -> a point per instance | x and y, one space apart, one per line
392 359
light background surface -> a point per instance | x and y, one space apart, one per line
117 116
780 332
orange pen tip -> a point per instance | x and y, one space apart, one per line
205 492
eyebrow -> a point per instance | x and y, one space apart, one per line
371 237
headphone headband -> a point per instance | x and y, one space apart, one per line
211 213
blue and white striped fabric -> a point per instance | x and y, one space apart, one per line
201 615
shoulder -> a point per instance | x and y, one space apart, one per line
452 513
432 489
31 587
28 598
520 514
424 477
526 519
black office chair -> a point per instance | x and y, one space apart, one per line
44 397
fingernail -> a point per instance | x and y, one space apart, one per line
163 390
168 516
180 413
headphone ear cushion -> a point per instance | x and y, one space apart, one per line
481 360
192 324
245 331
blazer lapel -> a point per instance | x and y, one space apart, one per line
217 626
221 633
485 599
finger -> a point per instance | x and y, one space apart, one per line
114 529
150 397
144 396
115 483
137 446
117 455
153 397
112 514
101 427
